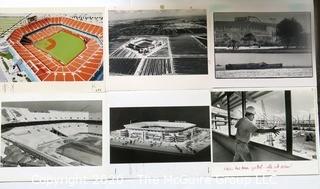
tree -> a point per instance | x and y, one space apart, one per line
289 31
224 40
234 44
249 38
226 37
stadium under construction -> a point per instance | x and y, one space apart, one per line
53 138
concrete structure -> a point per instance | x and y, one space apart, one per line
178 138
18 115
241 26
33 138
143 45
159 131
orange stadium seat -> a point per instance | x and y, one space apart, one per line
92 65
43 76
50 77
84 76
82 68
87 70
69 77
59 77
65 69
77 77
73 24
59 20
59 69
72 68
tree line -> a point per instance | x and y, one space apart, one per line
289 33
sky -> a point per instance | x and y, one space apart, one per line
15 14
138 14
89 106
303 103
274 104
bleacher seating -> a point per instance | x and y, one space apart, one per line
82 68
39 135
17 115
69 129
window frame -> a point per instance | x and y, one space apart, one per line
288 120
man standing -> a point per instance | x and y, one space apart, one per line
245 129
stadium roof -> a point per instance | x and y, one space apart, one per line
161 126
144 44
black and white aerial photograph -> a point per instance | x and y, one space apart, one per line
263 125
157 42
51 133
160 134
263 45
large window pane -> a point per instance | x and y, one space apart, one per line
303 120
219 111
270 112
236 114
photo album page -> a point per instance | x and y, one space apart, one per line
156 89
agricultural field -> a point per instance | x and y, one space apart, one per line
114 45
7 23
164 52
121 66
186 44
156 67
190 65
124 53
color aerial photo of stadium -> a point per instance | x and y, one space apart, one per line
51 47
51 133
153 42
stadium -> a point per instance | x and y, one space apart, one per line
52 138
143 45
58 49
160 129
176 137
